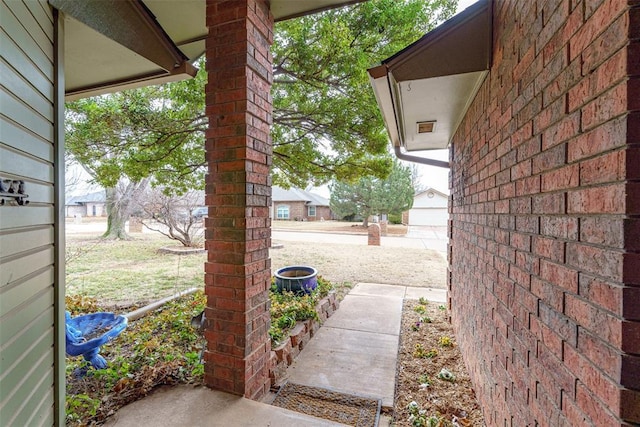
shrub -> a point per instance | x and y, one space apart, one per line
395 218
287 308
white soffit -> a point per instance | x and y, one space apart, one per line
116 45
434 80
449 98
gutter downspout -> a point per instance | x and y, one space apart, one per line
421 160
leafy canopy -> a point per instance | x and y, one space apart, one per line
326 123
155 131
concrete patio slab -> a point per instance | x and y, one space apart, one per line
433 295
354 352
356 349
377 290
348 361
199 406
368 314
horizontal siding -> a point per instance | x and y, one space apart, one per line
27 239
41 395
16 322
25 216
39 193
34 383
15 241
43 15
16 85
14 269
16 58
23 166
43 415
19 293
16 110
21 139
24 13
26 41
16 349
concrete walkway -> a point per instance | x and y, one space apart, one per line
354 352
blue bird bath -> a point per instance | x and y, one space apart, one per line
86 333
296 278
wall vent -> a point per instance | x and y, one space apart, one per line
426 127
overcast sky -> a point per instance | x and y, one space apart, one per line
463 4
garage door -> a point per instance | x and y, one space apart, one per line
426 216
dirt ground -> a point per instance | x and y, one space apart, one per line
427 346
352 263
361 263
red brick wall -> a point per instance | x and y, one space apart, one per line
238 190
544 265
322 212
299 211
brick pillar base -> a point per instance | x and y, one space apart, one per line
383 227
374 234
238 190
405 218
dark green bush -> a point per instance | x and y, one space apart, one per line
395 218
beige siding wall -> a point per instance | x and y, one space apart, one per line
27 238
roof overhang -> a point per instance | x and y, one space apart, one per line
116 45
424 90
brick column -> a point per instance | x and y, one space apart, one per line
238 188
373 233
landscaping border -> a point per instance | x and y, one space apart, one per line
284 355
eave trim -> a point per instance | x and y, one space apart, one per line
460 49
185 71
129 23
317 10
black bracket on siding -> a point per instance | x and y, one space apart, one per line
13 189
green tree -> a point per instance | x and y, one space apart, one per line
128 139
326 123
373 196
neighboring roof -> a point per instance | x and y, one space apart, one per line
424 90
97 197
116 45
279 194
431 190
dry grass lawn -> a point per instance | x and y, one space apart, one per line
361 263
134 271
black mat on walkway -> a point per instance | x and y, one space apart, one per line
329 405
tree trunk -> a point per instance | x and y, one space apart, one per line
121 201
116 221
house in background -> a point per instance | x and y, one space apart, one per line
295 204
92 204
430 207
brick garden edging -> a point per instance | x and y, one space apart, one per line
283 356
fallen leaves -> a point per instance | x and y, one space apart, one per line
433 386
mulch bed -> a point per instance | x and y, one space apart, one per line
427 347
329 405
